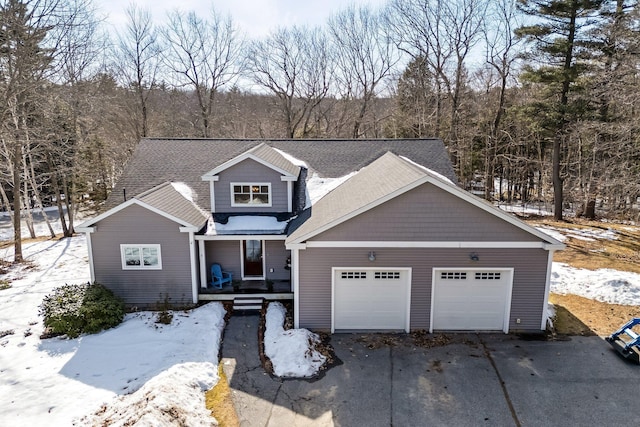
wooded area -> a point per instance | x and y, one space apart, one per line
535 99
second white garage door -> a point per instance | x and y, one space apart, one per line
371 299
471 299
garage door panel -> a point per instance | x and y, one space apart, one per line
371 299
471 299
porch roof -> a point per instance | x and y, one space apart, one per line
246 225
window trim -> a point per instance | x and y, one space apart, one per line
141 248
251 205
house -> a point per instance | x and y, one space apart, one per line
360 234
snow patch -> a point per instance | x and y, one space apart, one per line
318 187
294 160
606 285
247 223
184 190
429 171
552 232
292 352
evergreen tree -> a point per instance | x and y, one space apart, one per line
559 45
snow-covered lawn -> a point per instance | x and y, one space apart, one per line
606 285
56 381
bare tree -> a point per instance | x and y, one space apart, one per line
136 59
365 57
204 55
294 65
442 33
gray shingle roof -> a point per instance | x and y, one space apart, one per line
159 160
168 199
376 181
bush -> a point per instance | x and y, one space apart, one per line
78 309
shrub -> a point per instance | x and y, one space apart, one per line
78 309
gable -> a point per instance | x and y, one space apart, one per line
426 213
250 171
155 161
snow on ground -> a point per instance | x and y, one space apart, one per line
55 381
552 232
41 229
292 351
526 209
606 285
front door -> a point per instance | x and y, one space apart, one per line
252 250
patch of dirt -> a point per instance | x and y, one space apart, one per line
373 341
576 315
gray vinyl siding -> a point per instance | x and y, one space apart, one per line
426 213
250 171
277 255
228 254
528 281
137 225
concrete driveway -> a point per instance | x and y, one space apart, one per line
475 380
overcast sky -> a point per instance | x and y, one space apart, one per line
254 17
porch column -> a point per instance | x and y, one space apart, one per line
203 264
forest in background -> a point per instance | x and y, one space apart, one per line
534 99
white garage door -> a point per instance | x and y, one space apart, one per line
471 299
371 299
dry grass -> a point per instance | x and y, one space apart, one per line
582 316
219 402
622 253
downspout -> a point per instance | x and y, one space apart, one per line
194 267
295 281
547 290
92 269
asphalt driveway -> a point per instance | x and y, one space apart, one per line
492 380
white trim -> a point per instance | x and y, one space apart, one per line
251 205
295 285
407 325
289 196
140 246
92 269
86 229
361 210
418 244
264 259
212 193
203 263
296 246
507 309
194 268
547 290
242 237
449 188
189 229
244 156
134 201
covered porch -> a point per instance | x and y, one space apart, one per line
267 289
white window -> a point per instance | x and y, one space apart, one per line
250 194
141 257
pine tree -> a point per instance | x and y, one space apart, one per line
558 42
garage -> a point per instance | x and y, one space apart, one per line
471 299
371 299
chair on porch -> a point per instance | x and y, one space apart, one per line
220 277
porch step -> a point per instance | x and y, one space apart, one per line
247 303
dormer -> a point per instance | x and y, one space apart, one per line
260 180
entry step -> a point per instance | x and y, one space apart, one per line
247 303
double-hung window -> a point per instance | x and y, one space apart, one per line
141 257
250 194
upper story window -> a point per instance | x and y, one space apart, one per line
141 257
250 194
